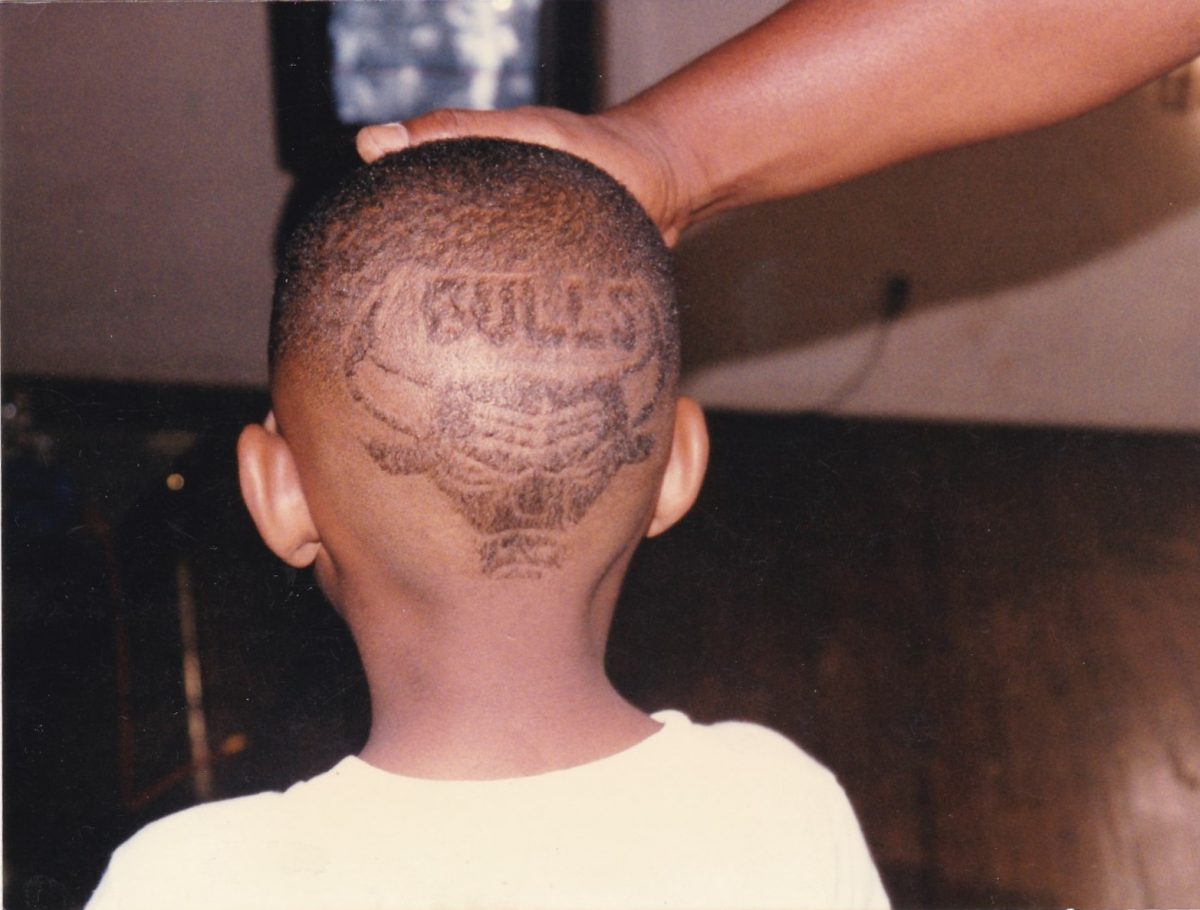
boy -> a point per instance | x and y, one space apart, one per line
474 355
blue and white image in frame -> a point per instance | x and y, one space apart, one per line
399 58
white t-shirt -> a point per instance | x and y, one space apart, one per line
694 816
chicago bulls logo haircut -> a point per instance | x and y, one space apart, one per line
502 318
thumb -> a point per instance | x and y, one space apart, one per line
373 142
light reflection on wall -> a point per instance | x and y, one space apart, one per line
392 60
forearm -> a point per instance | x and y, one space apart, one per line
826 90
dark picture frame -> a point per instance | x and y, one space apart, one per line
317 147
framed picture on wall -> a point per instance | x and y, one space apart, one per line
340 66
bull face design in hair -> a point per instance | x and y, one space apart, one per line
465 380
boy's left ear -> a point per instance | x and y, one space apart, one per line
685 467
272 492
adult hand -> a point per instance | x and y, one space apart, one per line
625 147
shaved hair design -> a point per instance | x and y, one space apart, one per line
502 317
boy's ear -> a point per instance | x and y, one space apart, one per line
685 467
271 488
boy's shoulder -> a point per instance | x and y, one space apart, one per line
755 743
746 751
751 772
243 837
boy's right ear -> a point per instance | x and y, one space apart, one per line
272 492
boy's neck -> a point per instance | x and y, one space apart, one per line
495 692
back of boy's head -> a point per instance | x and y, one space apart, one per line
474 353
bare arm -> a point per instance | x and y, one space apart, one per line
826 90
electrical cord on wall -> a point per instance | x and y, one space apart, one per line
896 294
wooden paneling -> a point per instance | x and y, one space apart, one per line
992 636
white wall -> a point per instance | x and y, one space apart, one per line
1055 277
645 41
140 190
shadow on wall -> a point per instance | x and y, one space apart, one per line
959 224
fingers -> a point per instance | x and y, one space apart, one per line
529 125
373 142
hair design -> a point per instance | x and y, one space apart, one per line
504 315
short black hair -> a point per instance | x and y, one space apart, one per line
504 314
